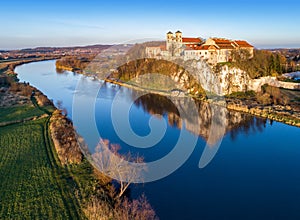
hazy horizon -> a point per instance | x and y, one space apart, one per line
268 47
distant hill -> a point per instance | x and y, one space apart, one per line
50 49
290 53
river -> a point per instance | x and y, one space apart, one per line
253 173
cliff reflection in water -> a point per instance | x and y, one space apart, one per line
226 122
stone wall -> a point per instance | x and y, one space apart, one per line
255 84
236 80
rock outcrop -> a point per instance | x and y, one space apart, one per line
287 114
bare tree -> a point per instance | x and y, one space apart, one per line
118 166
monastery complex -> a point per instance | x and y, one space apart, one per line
212 50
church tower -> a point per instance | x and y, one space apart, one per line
178 48
178 37
169 40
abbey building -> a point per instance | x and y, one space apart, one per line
212 50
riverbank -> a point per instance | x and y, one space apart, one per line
176 93
284 114
243 130
29 159
288 113
81 185
8 67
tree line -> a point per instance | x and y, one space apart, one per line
74 63
262 63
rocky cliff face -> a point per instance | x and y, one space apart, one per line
153 69
226 80
194 77
221 81
233 80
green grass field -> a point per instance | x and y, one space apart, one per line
17 113
33 184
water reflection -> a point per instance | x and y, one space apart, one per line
234 122
256 176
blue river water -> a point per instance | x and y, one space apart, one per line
255 174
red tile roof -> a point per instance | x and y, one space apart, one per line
225 46
228 44
191 40
203 47
242 43
222 41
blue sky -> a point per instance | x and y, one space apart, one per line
265 24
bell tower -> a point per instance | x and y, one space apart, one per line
170 38
178 36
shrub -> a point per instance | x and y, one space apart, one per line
123 209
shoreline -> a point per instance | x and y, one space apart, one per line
67 144
41 101
143 89
279 113
232 106
268 112
10 66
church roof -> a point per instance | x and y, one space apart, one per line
225 46
242 43
230 44
191 40
203 47
222 41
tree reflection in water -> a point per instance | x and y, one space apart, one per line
234 122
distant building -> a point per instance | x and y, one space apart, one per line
156 52
213 50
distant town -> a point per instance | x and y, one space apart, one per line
7 55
